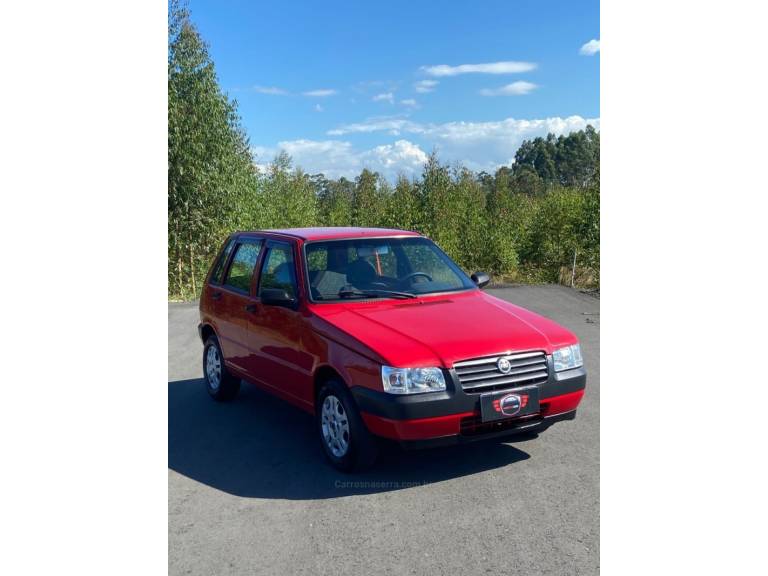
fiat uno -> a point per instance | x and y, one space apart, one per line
379 334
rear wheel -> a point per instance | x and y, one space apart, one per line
345 439
220 383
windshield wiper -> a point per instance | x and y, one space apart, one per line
375 293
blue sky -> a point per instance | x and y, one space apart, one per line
347 85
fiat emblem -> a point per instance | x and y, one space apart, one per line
504 365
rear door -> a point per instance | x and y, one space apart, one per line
235 298
210 299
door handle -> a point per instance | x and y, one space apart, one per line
250 308
216 296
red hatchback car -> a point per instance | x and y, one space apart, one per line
378 333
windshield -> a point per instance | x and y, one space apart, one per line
380 268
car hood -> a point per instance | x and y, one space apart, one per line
441 330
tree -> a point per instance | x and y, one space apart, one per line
527 181
486 181
554 232
336 203
438 211
470 218
571 160
289 195
403 207
368 202
211 178
588 231
500 254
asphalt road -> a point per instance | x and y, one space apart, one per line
250 493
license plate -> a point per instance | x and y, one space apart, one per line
509 403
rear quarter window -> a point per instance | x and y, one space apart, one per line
218 267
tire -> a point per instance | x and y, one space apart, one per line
346 441
221 385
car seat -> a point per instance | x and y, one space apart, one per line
360 274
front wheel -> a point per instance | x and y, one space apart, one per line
346 441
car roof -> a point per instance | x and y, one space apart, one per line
333 232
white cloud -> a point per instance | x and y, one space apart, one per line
488 145
318 108
424 86
332 157
390 124
384 97
390 159
590 48
518 88
337 158
321 93
271 90
410 102
508 67
477 145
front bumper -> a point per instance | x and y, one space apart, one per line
453 416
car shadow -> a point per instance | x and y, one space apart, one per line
260 446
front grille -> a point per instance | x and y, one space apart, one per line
483 374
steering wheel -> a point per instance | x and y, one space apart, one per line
412 275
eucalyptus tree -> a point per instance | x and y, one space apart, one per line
211 178
368 200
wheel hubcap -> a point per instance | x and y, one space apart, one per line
213 367
335 425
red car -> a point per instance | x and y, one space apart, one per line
378 333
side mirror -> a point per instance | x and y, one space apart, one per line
480 278
277 297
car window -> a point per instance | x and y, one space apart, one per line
381 257
279 270
413 265
430 262
243 263
218 269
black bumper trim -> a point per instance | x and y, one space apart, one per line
525 426
454 400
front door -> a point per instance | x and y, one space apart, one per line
280 360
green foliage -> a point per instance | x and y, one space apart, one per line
553 234
572 160
368 200
403 206
503 217
468 202
439 208
335 200
211 177
289 196
521 223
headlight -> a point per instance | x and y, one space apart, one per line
567 358
412 380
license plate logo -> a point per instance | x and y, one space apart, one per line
505 404
510 404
